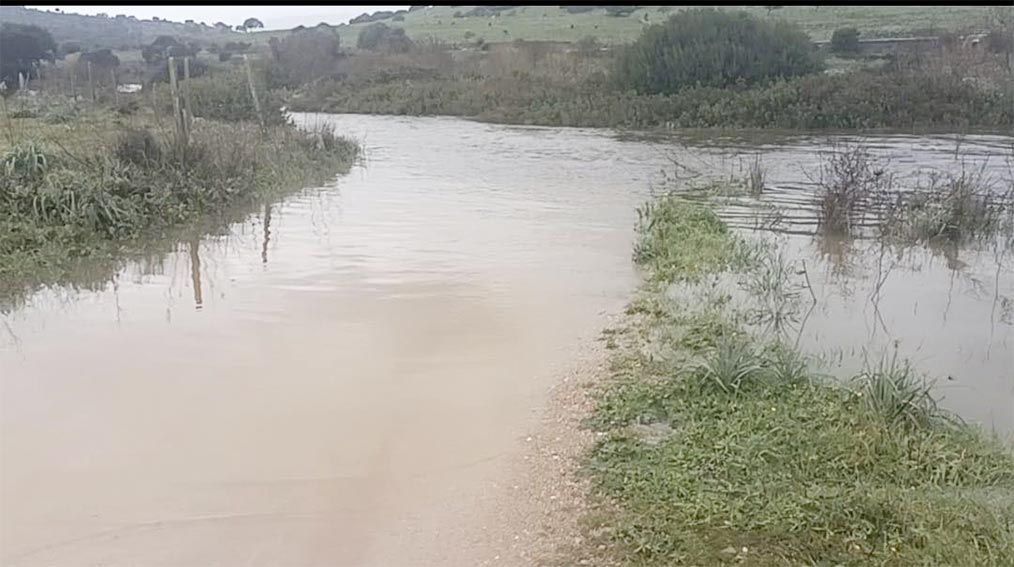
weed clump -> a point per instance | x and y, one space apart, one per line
681 239
893 393
849 180
959 208
138 147
27 161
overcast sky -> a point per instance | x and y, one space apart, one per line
274 17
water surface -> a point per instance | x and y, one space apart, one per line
340 377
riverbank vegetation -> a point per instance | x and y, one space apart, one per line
721 444
765 75
82 180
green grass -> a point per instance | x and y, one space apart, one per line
755 459
97 187
550 23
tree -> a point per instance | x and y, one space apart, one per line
713 48
21 48
165 46
252 24
304 56
102 61
160 73
845 41
68 47
237 46
222 26
102 58
381 37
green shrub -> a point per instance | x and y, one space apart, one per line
845 41
713 48
26 161
227 97
381 37
138 147
304 56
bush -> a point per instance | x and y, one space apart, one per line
381 37
69 47
304 56
138 147
845 41
100 58
713 48
226 96
159 73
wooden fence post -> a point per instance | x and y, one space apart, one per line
181 133
189 109
91 83
253 91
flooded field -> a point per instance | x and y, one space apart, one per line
342 375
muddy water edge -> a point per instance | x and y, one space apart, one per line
351 372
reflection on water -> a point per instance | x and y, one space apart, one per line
205 400
939 307
195 271
267 233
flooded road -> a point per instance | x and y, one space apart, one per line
341 378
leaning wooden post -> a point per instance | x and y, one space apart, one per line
116 93
181 140
91 83
189 108
253 91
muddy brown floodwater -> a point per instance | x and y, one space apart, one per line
347 376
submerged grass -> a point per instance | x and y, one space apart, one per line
961 208
762 461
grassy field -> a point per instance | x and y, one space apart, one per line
96 32
724 445
551 23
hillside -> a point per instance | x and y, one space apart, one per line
116 32
553 23
459 24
